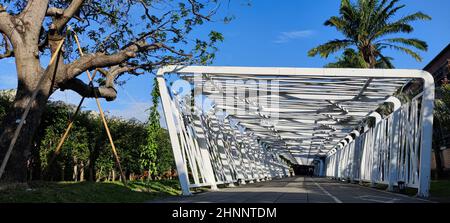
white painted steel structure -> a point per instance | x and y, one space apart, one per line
320 120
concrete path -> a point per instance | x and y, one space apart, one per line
295 190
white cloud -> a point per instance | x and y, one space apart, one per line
285 37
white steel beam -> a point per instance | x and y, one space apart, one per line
305 95
170 121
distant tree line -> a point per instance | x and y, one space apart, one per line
86 153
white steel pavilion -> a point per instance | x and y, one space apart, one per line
232 125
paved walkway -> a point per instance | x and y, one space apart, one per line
295 190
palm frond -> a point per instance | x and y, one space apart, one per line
381 18
414 17
381 5
350 59
331 47
335 21
417 43
385 62
391 12
393 28
405 50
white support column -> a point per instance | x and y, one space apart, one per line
321 173
201 139
223 157
375 148
354 161
168 114
394 146
427 134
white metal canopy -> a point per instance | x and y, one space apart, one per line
303 114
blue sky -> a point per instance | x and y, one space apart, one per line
268 33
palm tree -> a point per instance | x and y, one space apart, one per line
367 25
352 59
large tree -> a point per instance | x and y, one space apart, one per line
368 26
119 37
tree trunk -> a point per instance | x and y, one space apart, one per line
98 175
36 169
93 156
29 72
82 171
92 173
75 172
63 173
16 168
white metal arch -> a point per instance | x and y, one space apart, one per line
318 109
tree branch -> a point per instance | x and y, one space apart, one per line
195 11
54 12
153 19
34 14
62 18
8 49
180 53
107 91
100 60
6 25
83 89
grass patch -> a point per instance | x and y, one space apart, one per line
88 192
408 191
440 189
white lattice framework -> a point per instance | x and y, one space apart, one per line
321 120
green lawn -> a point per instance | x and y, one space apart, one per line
115 192
440 190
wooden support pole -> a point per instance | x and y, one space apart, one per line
102 115
27 110
69 128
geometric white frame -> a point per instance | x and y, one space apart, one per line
427 104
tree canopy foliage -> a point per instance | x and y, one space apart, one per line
117 38
86 154
368 27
